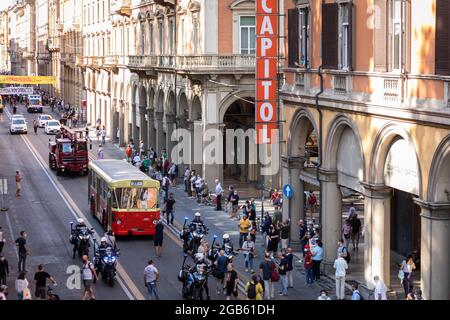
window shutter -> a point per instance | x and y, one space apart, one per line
351 38
293 37
330 35
442 42
380 35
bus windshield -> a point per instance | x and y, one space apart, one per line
35 101
136 198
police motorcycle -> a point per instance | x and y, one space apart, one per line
194 279
105 260
191 237
227 246
79 237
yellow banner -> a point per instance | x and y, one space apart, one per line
27 80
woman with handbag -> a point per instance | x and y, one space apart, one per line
21 285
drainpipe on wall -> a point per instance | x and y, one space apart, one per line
319 165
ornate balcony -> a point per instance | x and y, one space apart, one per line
121 7
216 62
111 60
53 43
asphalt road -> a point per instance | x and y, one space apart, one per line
49 203
46 213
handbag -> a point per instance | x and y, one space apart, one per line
401 275
274 276
26 294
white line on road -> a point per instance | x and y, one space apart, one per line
120 270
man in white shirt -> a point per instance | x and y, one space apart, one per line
151 276
219 192
341 266
380 289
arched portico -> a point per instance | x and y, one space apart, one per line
390 210
435 224
159 114
294 171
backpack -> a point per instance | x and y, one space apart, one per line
347 229
274 276
347 257
251 292
360 296
312 199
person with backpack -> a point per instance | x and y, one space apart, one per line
308 265
356 295
312 201
265 268
346 232
88 275
165 184
254 289
341 269
343 250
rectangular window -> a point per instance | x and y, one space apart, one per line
442 43
330 35
160 37
247 35
171 33
142 38
396 38
345 35
150 36
304 37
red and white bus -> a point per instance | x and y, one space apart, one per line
123 198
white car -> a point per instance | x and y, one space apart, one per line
42 120
18 125
52 127
17 116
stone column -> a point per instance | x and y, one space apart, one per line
293 208
143 126
196 145
134 125
151 138
170 127
377 223
434 250
122 141
160 144
213 171
331 218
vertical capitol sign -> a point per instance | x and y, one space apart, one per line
266 70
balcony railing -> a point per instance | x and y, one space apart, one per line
53 43
216 61
95 62
111 60
391 89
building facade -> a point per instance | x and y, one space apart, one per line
368 80
42 56
5 63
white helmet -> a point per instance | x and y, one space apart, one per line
103 239
199 256
80 220
197 214
226 236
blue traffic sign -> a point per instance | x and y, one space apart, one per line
288 191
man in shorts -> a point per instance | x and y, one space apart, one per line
88 274
41 277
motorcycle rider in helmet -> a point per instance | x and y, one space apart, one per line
110 239
76 231
197 223
227 245
100 253
201 264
